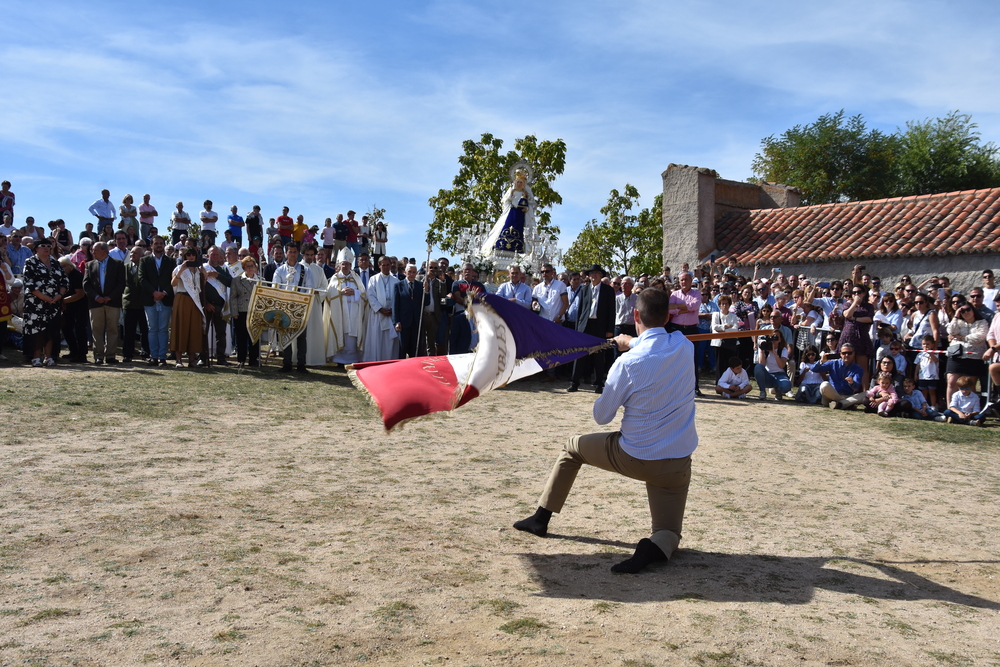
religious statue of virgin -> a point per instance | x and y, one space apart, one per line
518 214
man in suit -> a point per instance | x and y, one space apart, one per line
595 315
215 302
135 316
104 284
365 270
433 311
277 259
157 298
408 301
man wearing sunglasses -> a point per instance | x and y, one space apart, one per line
844 388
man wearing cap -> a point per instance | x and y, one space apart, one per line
595 316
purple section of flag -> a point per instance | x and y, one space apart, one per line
549 343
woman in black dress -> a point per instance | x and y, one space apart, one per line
45 284
858 320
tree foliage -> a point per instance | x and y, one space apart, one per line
944 155
832 160
482 179
839 159
624 242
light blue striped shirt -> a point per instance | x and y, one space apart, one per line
521 292
654 381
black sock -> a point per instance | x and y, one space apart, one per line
646 552
537 523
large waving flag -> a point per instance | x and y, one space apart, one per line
513 343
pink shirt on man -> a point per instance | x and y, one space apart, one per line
693 302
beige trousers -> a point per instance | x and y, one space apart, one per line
666 481
828 393
104 323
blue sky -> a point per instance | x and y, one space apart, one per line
329 106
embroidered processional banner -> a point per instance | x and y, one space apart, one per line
281 310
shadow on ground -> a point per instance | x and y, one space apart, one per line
724 577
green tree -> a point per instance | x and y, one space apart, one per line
482 179
832 160
945 155
624 242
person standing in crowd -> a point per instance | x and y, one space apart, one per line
104 283
180 220
7 224
967 338
120 250
239 298
31 230
380 237
292 275
285 225
89 233
316 328
346 313
653 382
6 200
104 211
516 290
135 316
461 292
625 308
353 228
236 224
187 322
326 236
381 339
595 316
208 219
724 321
45 285
255 224
128 216
685 304
299 230
218 280
857 325
364 234
147 217
435 288
157 298
18 254
408 302
62 237
365 269
74 317
340 232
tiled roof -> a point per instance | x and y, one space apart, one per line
953 223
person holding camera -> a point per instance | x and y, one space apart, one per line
772 362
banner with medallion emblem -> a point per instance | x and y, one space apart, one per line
284 311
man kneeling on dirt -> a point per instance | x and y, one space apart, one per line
655 383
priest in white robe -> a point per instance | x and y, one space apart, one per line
316 328
381 339
346 312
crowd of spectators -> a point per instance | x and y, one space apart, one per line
920 350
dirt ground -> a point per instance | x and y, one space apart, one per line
216 518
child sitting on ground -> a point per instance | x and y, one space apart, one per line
734 383
927 369
809 387
882 398
913 404
964 408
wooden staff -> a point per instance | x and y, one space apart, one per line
694 338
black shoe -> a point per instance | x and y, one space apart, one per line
599 389
110 361
222 362
697 392
574 387
537 523
98 362
645 553
163 362
153 362
301 369
285 369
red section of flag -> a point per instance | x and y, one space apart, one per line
407 388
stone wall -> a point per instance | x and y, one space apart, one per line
964 272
